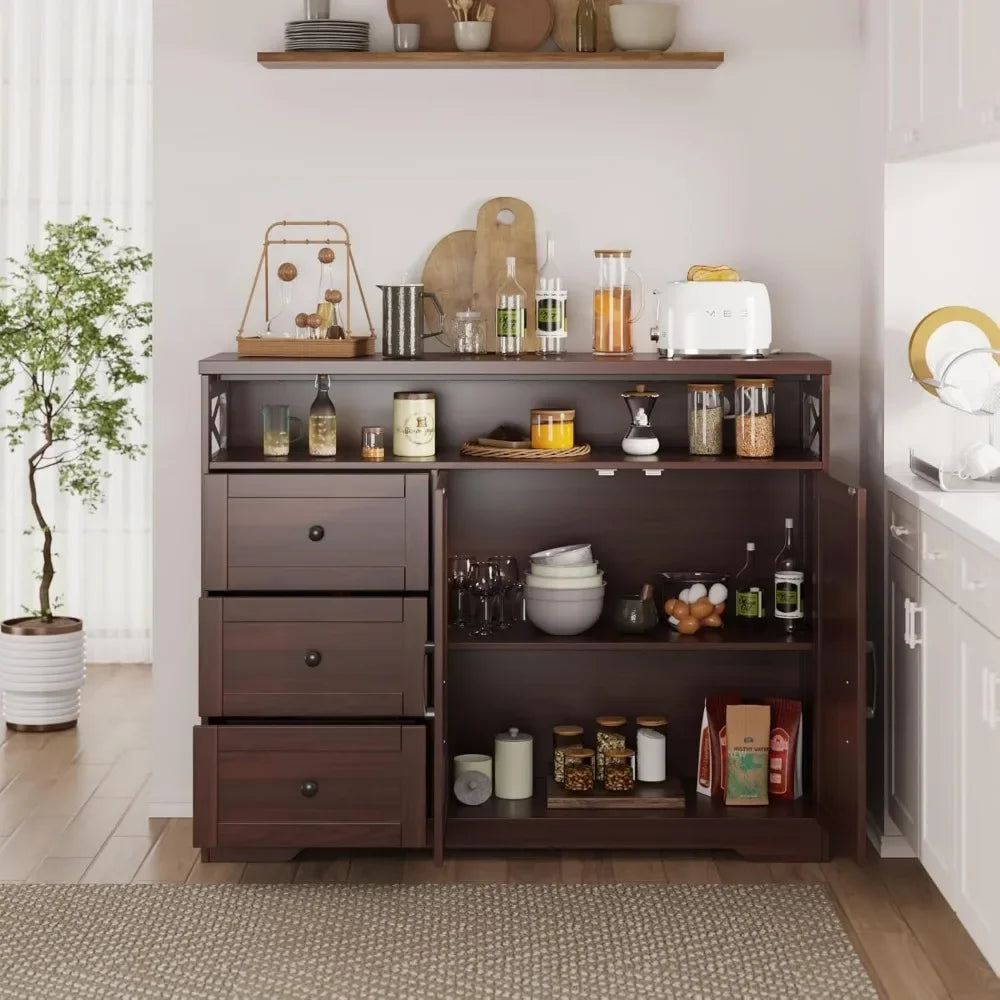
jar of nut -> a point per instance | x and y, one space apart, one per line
618 772
755 417
563 739
610 736
578 769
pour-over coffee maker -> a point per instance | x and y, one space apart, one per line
641 439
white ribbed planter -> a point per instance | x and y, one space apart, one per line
41 672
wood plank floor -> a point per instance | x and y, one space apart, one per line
73 809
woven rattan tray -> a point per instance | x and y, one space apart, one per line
479 451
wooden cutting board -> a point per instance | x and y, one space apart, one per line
448 273
564 32
497 240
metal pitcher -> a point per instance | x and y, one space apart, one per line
403 320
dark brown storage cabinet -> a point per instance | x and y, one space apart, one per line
332 696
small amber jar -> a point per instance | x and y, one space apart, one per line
552 428
618 773
610 736
578 769
563 739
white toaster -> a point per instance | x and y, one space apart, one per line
713 318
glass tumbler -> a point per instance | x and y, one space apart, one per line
280 429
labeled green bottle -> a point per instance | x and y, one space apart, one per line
789 579
749 593
512 312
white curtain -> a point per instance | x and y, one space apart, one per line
75 109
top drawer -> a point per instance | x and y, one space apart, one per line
937 555
904 531
978 591
315 531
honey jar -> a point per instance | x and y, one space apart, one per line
552 428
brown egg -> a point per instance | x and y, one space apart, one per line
325 256
669 605
688 626
712 621
300 320
720 608
681 609
314 321
288 272
332 295
702 608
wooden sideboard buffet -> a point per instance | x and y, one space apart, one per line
332 697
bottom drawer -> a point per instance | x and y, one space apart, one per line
310 786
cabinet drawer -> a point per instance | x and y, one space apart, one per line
937 555
316 532
309 657
978 592
903 531
310 786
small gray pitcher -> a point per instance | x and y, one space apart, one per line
403 333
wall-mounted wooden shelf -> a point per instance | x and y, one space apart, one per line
490 60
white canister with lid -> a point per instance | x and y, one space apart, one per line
413 428
651 748
512 765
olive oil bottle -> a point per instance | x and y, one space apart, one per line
749 594
512 312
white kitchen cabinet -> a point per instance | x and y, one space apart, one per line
978 903
933 633
905 697
978 70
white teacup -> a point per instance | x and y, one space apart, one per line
979 461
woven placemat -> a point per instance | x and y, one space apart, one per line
481 451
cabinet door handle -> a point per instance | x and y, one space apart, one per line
915 640
898 531
313 658
987 684
932 556
907 623
309 788
994 709
316 533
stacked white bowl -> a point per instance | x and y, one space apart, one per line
564 591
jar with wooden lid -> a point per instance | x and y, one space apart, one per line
704 403
552 428
563 739
618 773
578 769
755 417
610 736
651 748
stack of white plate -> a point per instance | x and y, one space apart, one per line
564 592
342 36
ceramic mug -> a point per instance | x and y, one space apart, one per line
406 37
979 461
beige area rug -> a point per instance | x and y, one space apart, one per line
426 942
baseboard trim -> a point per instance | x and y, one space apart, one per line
889 847
170 810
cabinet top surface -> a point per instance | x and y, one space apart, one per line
575 365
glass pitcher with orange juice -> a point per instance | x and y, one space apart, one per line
613 316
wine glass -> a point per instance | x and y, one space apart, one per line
509 579
460 576
486 584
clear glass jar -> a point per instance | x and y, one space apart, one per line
467 332
651 748
619 774
552 428
705 419
755 417
613 315
578 772
610 736
564 738
372 444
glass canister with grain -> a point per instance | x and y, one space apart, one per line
755 417
564 738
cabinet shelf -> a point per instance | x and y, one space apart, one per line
246 459
522 636
490 60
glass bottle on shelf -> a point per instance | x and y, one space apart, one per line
335 324
749 600
512 312
586 26
788 580
324 303
323 421
550 305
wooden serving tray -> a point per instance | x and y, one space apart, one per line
274 347
663 795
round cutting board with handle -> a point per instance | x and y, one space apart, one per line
505 228
564 32
518 25
448 273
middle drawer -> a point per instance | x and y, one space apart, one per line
312 657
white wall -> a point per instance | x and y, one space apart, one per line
752 164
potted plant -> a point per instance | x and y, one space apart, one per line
68 360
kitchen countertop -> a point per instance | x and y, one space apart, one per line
973 516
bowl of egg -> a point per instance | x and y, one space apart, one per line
693 601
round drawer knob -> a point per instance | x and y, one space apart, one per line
316 533
314 658
309 788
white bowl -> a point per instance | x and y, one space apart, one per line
565 555
472 36
565 572
643 26
561 583
568 614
